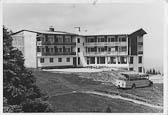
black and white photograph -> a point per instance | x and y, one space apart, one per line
94 56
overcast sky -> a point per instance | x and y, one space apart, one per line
98 18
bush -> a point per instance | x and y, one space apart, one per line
108 110
36 105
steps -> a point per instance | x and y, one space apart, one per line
82 59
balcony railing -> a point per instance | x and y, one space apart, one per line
106 44
58 43
104 53
39 43
60 53
140 43
140 52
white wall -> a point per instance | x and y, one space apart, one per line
81 46
55 61
18 41
135 64
30 49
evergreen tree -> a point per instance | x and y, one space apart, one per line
153 72
150 71
19 83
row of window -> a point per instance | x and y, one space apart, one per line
139 60
110 49
52 38
139 69
112 60
51 60
54 49
105 39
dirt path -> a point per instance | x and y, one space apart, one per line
123 98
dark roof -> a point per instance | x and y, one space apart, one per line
46 32
139 32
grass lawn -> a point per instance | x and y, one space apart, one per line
58 85
79 102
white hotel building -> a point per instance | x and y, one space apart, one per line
55 49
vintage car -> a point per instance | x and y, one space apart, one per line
133 80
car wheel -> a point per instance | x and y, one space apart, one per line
133 86
151 84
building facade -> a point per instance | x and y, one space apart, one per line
50 49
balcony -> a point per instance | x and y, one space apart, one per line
140 52
59 43
39 43
55 54
140 43
106 44
104 53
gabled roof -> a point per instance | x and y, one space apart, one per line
46 32
139 32
113 33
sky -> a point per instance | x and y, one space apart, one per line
95 18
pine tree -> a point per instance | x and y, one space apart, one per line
153 72
18 83
150 71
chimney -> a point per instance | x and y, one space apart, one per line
51 29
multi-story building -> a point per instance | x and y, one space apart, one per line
42 49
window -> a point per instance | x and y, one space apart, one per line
51 59
59 38
55 48
68 39
59 59
102 49
139 69
122 60
92 60
78 40
111 39
123 49
140 59
131 68
91 39
131 60
60 49
102 39
112 60
140 43
100 60
41 60
38 49
47 49
52 49
78 60
68 59
51 38
92 49
78 49
69 49
116 48
88 60
38 39
42 49
122 39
